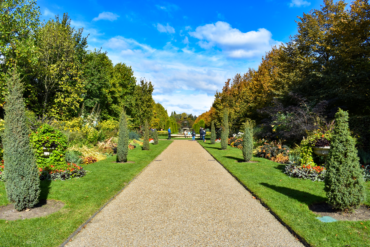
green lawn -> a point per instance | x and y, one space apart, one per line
82 198
289 198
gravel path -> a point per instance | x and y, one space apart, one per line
186 199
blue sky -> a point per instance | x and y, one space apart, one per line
187 49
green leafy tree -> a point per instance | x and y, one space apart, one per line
344 182
98 69
196 128
248 140
59 77
22 178
202 123
19 20
146 136
213 133
123 139
142 104
225 129
124 93
155 134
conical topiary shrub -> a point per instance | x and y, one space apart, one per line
123 139
22 177
213 133
146 136
155 137
344 181
248 140
225 129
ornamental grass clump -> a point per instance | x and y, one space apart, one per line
123 139
248 140
146 136
155 137
225 129
22 177
344 182
213 133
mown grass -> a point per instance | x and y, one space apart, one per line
290 198
82 198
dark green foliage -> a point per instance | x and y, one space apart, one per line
122 148
213 133
225 129
22 178
133 135
344 182
155 137
146 137
248 141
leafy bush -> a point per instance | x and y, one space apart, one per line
213 133
248 141
281 158
314 173
146 137
271 150
89 160
133 135
155 137
73 157
48 138
225 129
109 124
162 133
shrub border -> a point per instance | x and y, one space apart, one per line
100 209
296 235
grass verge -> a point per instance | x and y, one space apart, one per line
289 198
82 198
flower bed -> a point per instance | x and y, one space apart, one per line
273 150
314 173
70 170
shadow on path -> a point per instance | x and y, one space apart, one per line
298 195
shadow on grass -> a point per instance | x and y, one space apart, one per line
280 167
298 195
214 148
235 158
45 189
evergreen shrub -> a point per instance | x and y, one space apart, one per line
123 139
248 141
155 137
225 129
344 182
213 133
146 137
22 177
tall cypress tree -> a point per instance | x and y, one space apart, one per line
22 178
155 137
146 136
344 181
213 133
123 138
248 140
225 129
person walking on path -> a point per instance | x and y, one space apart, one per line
193 134
169 133
203 135
185 133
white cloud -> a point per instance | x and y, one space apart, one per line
165 29
196 103
232 41
47 12
168 7
109 16
186 40
299 3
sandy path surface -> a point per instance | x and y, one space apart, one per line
185 199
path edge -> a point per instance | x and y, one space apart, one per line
111 199
296 235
